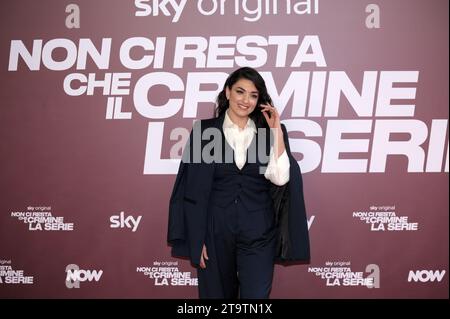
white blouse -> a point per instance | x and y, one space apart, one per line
240 139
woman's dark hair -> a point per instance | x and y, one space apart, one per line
263 97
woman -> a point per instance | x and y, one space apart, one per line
235 218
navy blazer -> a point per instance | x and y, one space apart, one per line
189 202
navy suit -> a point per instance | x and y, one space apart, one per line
245 221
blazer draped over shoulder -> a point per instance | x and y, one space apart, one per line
189 203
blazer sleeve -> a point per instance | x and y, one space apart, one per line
188 203
176 229
176 232
290 214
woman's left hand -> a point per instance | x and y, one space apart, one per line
274 120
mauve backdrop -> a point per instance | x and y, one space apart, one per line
61 153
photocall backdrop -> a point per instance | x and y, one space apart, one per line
98 98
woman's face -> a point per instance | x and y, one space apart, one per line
242 97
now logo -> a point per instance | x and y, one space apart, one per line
426 275
75 275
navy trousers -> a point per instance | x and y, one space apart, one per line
241 251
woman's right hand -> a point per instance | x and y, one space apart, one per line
203 257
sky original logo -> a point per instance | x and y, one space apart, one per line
340 273
250 10
75 276
10 275
120 221
385 218
41 218
168 273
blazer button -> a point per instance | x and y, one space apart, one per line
235 200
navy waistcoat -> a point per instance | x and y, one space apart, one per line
247 185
